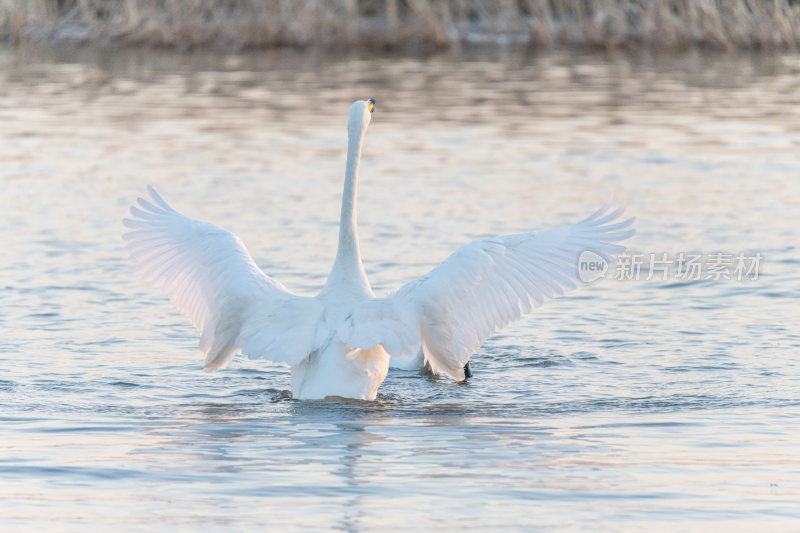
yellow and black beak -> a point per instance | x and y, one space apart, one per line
371 105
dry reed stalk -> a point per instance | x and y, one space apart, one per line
234 24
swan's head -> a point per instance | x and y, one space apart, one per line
360 114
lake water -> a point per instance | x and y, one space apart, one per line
668 404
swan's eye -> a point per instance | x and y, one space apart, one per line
371 105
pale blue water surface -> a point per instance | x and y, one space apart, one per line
671 405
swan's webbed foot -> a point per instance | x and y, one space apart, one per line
427 370
467 371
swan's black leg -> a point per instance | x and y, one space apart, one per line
467 371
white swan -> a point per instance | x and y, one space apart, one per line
338 343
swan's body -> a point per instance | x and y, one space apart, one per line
338 343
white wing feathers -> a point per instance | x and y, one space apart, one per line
211 278
449 312
490 282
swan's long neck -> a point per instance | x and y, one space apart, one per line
348 271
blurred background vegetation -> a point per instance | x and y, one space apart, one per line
405 24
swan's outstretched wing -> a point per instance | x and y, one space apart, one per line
211 278
482 287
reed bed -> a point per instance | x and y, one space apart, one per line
403 24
